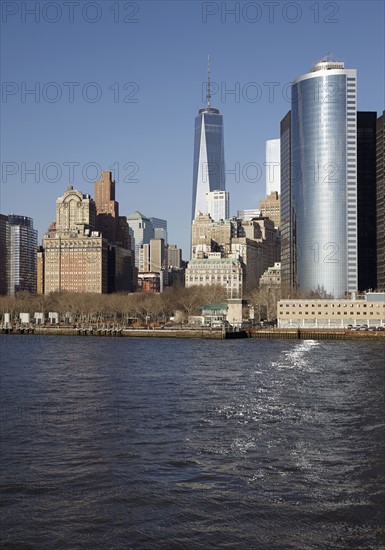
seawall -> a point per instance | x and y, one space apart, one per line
205 333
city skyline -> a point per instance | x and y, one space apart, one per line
151 141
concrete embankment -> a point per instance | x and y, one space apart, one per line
115 332
173 333
205 333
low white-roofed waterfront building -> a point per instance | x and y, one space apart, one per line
368 310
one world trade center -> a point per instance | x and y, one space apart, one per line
209 157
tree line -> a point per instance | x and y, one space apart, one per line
138 307
144 308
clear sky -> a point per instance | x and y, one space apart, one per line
118 84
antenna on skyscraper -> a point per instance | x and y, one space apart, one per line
208 95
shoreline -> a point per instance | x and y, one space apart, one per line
202 333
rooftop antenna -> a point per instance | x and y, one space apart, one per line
208 95
327 57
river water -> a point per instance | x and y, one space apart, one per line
192 444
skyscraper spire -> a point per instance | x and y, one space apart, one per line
208 95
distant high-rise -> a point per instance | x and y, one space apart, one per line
218 205
209 157
153 259
270 208
324 185
287 237
40 270
380 181
75 255
174 256
88 248
159 258
366 200
22 254
3 253
160 228
273 172
107 208
143 231
112 226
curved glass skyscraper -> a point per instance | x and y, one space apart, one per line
209 156
324 178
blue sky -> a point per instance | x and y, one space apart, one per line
137 70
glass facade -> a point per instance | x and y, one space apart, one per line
160 228
209 161
380 185
22 255
4 237
272 164
143 232
287 275
324 180
366 200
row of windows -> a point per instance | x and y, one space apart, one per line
224 278
334 305
337 313
213 269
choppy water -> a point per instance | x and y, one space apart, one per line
192 444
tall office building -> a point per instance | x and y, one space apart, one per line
22 254
153 256
324 189
287 237
88 248
209 157
112 226
380 181
143 231
272 164
3 253
270 208
75 255
160 228
174 257
107 208
366 200
153 266
40 271
218 205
